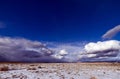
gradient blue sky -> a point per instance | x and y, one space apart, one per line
59 20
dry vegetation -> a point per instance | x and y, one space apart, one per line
93 78
4 68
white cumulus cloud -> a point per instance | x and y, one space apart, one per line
102 46
101 51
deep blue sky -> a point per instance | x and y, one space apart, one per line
59 20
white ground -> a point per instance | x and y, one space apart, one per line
61 71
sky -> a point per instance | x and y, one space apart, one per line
59 30
58 20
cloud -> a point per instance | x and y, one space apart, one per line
23 50
102 46
89 52
102 51
67 52
112 32
60 54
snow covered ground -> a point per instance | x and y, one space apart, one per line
60 71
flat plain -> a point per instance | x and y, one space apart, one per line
60 70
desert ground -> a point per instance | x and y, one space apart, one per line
59 70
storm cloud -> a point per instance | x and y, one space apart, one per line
23 50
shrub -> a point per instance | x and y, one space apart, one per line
4 68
